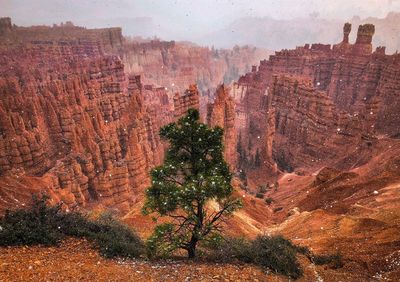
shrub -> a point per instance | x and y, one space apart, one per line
276 253
260 195
335 261
48 225
159 244
115 239
35 225
228 250
268 200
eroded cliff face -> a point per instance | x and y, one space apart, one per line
318 130
111 39
175 65
80 109
316 105
73 122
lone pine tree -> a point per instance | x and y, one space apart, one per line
192 188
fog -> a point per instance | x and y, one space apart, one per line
187 19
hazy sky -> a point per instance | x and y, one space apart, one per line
183 19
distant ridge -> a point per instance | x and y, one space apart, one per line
284 34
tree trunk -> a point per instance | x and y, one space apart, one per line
192 248
199 225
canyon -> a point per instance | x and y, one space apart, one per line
319 105
316 127
81 108
318 137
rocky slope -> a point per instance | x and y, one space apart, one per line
354 213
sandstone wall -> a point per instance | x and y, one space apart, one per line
84 123
314 105
69 115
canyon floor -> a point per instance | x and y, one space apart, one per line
75 260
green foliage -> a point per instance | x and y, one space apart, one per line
269 200
260 195
115 239
231 249
283 161
47 225
275 253
194 173
37 225
163 242
214 241
335 261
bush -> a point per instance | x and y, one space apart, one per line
231 249
36 225
48 225
335 261
276 253
260 195
269 200
115 239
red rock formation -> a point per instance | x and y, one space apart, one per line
190 99
110 38
222 113
312 106
71 117
176 65
5 25
346 32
